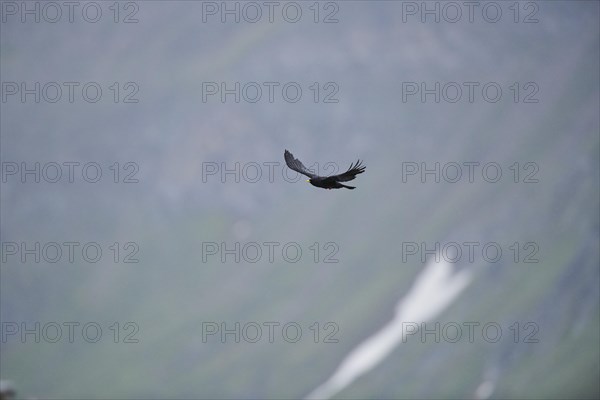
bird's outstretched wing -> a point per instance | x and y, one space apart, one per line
296 165
354 170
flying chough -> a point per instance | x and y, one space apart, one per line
325 182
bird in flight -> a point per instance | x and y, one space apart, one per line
325 182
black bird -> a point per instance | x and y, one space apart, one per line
325 182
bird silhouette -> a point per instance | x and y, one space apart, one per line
325 182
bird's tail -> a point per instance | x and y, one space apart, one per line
348 187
